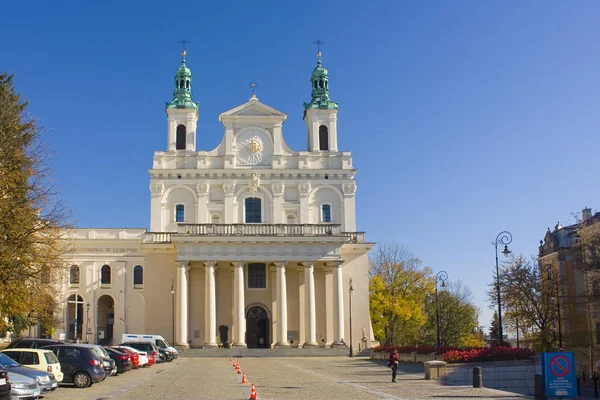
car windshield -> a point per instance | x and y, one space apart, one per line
162 343
8 362
102 350
51 358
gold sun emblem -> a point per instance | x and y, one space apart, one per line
254 146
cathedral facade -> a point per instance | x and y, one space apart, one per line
251 244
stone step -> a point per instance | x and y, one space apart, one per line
277 352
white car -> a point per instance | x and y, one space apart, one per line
142 354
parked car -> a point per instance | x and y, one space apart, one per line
143 356
4 385
121 359
149 348
45 379
80 364
134 357
107 363
23 387
33 343
166 354
39 359
158 340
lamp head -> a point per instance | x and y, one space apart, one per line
443 284
506 251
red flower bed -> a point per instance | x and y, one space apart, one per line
487 354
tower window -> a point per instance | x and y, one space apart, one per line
323 138
253 212
181 84
138 275
187 84
74 275
257 276
105 275
326 213
180 139
179 213
321 84
316 85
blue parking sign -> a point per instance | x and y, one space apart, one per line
75 321
558 372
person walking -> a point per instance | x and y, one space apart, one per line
393 363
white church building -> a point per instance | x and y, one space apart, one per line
251 244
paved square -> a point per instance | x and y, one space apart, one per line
294 378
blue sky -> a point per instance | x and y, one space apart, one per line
465 118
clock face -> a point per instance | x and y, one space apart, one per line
253 148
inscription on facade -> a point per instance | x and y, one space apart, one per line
104 250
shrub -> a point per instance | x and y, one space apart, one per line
497 353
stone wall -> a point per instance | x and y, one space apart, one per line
511 376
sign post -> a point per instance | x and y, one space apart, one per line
560 378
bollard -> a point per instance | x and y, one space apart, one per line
595 386
578 388
477 379
539 387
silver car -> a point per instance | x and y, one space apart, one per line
45 379
23 387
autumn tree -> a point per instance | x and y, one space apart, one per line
398 288
527 297
33 220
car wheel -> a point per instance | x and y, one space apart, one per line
81 380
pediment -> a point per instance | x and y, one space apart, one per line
253 108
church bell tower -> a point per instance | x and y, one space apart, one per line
320 115
182 111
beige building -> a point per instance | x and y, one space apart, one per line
250 244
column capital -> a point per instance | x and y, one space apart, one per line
183 264
280 264
238 264
210 264
335 263
311 263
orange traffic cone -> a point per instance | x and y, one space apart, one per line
244 381
252 393
239 371
234 364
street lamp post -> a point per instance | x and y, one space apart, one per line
440 276
504 238
173 309
351 290
553 276
87 323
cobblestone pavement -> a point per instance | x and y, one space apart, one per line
294 378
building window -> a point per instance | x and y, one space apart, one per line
180 139
179 213
253 212
257 276
323 138
138 275
74 275
105 275
326 213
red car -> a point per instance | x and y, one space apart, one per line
151 360
134 357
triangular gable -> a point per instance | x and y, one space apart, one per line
253 108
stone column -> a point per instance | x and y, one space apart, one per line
239 306
311 314
281 306
181 338
301 305
210 305
338 305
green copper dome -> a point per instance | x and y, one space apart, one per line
182 96
319 81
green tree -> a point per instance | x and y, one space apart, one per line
33 220
457 317
529 298
398 288
494 330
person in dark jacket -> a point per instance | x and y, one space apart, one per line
393 363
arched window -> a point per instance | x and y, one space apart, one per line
105 275
74 274
316 85
323 138
181 85
179 213
326 213
138 275
187 84
180 139
253 211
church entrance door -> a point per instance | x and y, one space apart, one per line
257 328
